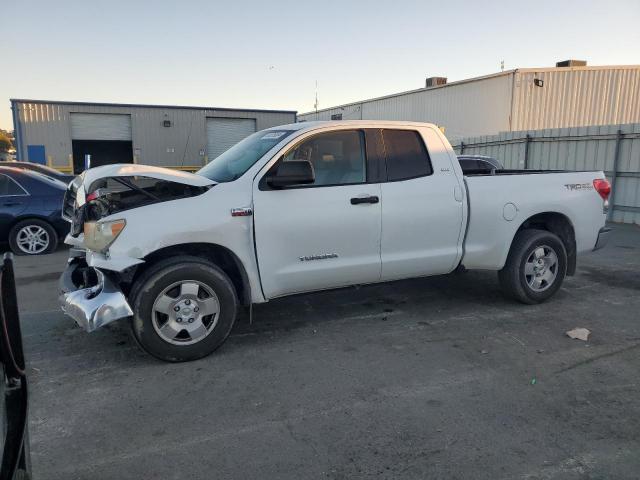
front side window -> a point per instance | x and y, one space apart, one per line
233 163
338 158
407 156
10 187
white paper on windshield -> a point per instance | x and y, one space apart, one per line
272 135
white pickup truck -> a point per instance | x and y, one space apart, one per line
306 207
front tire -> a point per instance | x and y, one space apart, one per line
32 237
535 268
184 309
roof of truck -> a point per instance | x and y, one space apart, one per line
373 123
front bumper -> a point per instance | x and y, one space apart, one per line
603 238
95 306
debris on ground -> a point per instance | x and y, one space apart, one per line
579 333
484 352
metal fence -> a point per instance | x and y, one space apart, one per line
615 149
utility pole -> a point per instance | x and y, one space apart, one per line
315 105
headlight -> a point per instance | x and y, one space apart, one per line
98 236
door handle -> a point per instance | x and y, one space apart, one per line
11 204
369 199
457 193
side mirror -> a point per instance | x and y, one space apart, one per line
295 172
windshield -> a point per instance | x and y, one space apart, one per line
233 163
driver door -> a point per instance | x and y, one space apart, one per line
325 234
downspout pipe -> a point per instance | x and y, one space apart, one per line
16 130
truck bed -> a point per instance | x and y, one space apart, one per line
499 203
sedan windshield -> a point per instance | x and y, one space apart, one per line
233 163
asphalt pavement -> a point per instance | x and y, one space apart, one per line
436 377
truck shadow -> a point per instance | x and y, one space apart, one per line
415 298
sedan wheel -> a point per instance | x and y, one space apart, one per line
32 239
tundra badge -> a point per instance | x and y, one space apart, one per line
323 256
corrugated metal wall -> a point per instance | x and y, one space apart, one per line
578 148
510 101
181 145
575 97
464 108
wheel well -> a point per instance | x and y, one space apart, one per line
560 225
30 217
217 254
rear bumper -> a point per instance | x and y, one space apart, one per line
94 306
603 238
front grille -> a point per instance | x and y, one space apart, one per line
69 203
77 223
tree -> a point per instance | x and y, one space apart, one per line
5 142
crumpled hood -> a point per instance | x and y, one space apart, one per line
129 170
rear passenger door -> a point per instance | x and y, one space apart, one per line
422 211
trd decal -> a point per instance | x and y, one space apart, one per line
578 186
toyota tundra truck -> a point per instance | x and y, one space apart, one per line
307 207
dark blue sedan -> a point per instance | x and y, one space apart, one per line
30 211
43 169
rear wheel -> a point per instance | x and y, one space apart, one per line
535 268
32 237
184 309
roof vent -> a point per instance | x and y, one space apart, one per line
572 63
435 81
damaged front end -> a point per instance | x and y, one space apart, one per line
110 195
93 297
89 296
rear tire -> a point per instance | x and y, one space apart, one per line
184 309
535 268
33 237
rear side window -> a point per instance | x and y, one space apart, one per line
407 155
9 187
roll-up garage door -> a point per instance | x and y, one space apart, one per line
224 133
99 126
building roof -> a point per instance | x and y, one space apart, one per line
141 105
476 79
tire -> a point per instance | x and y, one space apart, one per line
172 294
33 237
530 274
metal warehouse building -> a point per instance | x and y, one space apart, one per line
61 134
515 100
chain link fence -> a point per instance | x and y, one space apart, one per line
615 149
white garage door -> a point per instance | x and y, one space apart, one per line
224 133
99 126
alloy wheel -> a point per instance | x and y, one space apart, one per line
541 268
32 239
185 312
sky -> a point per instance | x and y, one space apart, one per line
270 54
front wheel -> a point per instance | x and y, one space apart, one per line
184 309
535 268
